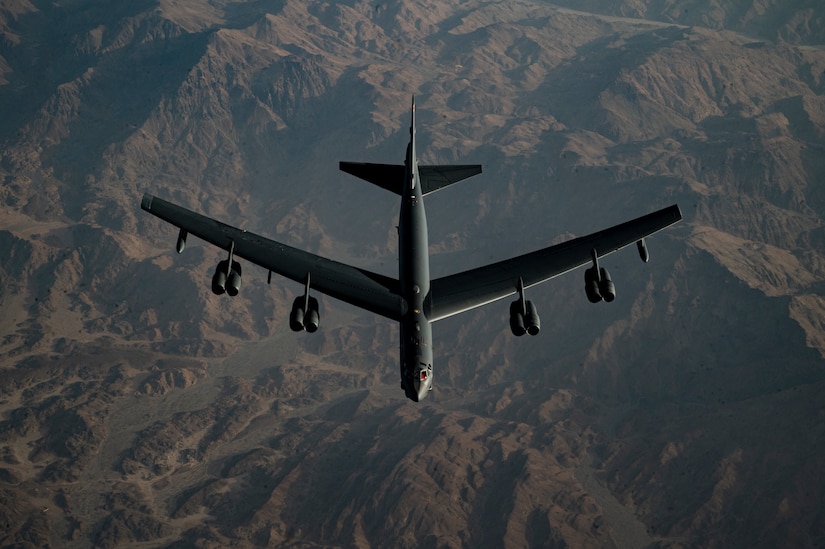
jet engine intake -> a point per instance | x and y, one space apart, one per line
312 318
301 319
521 323
227 277
226 280
219 278
597 282
233 281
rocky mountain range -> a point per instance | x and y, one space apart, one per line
137 409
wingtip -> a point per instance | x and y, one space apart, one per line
146 203
678 212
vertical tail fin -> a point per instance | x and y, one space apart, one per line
391 176
411 157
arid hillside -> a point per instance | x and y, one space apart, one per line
797 22
137 409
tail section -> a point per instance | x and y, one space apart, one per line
391 176
386 176
437 177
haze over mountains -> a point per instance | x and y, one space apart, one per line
138 409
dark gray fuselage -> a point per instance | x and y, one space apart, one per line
414 276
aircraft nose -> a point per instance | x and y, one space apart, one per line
423 383
422 389
417 386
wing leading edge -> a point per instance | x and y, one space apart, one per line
460 292
371 291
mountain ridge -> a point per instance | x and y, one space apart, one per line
137 409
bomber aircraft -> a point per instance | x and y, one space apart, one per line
413 299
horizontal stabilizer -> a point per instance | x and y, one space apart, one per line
386 176
437 177
391 176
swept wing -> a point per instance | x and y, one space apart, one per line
371 291
460 292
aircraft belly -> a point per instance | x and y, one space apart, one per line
414 275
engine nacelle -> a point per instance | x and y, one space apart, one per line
233 281
312 318
606 286
226 280
308 320
220 277
591 285
531 320
517 319
296 315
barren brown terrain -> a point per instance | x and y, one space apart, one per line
139 410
